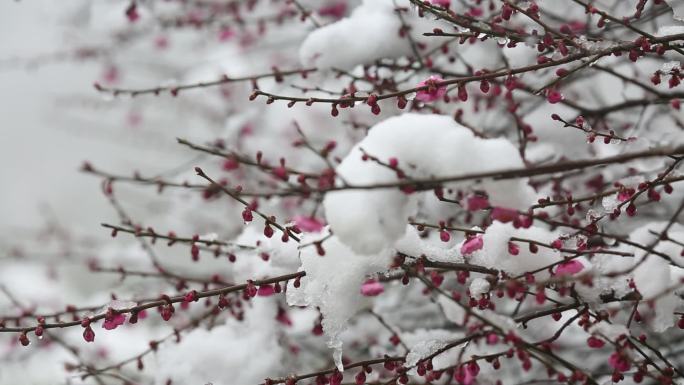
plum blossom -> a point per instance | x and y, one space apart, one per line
472 245
441 3
444 236
435 90
372 288
225 34
569 267
595 343
335 10
265 290
114 322
554 96
619 362
88 334
464 375
503 214
308 224
476 202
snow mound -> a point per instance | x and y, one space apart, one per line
369 221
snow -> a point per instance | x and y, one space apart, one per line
424 342
478 287
495 253
610 331
371 32
670 30
433 249
332 284
677 8
369 221
220 355
421 350
653 275
282 255
50 361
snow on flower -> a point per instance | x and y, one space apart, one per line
308 224
554 96
435 90
114 322
478 287
471 245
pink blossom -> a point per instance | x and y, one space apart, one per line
247 130
477 202
473 368
513 249
231 163
475 12
110 75
577 26
114 322
441 3
88 335
618 362
247 215
625 194
554 96
463 376
132 13
435 90
335 10
569 267
283 318
133 119
308 224
471 245
280 172
503 214
225 34
372 288
595 343
265 291
444 236
161 42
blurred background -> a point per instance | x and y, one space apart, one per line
41 149
52 120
